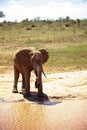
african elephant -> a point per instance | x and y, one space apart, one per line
25 61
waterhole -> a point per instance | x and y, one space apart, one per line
32 113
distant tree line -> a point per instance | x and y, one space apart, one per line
2 14
67 21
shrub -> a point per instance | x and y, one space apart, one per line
86 32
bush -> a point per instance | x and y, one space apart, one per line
86 32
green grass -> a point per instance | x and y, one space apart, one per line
74 57
67 46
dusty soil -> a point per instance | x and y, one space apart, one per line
65 85
65 100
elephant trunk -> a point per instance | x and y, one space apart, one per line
43 73
38 72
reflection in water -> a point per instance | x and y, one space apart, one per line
34 113
26 116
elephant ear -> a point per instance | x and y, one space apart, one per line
45 55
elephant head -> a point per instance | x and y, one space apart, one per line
25 61
38 58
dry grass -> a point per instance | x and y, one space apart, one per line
67 46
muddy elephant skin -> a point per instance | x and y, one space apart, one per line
25 61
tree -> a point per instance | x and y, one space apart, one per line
37 19
67 18
2 14
78 22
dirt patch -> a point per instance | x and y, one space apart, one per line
57 86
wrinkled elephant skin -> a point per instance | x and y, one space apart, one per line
25 61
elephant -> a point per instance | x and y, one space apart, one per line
26 60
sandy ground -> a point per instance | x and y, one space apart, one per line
67 94
65 85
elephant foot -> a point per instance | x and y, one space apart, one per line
23 90
15 90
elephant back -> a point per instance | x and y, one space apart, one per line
22 56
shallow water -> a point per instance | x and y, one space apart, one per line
29 113
43 115
65 107
28 116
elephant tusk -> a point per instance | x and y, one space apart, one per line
44 74
40 68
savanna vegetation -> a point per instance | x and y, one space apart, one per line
65 40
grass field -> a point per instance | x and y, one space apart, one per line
67 46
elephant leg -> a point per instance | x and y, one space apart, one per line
38 85
40 91
40 88
23 83
36 82
16 76
27 84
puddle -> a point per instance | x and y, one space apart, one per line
32 113
28 115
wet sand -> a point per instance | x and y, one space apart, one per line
67 115
64 106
